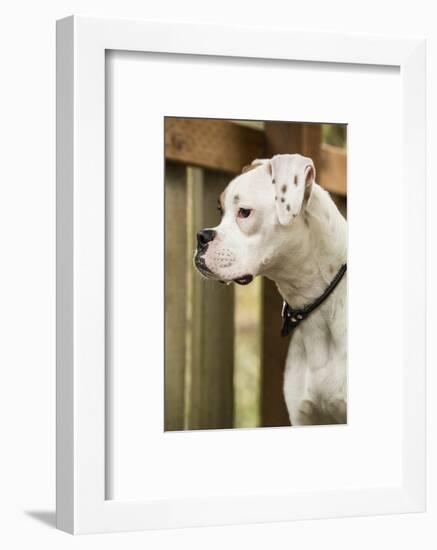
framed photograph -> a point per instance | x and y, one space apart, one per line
240 275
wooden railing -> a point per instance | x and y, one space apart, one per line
226 147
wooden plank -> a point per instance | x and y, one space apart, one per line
247 354
175 295
195 301
212 143
341 202
311 143
274 352
212 330
280 138
293 137
332 174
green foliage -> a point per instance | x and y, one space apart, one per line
334 134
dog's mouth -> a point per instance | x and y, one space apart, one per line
199 262
244 280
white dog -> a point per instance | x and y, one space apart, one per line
277 222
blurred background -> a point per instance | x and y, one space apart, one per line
224 356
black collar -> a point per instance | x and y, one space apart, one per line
291 318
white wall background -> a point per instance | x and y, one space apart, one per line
27 272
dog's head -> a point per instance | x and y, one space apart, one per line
259 210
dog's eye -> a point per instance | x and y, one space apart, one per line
244 212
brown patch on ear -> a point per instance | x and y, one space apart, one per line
295 180
248 168
222 200
256 164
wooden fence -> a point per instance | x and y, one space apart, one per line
201 157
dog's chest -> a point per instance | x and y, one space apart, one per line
316 364
327 384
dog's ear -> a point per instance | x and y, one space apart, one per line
293 177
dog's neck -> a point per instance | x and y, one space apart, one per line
313 251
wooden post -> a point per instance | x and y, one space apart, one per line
332 174
281 137
175 295
211 391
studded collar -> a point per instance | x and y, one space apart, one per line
291 317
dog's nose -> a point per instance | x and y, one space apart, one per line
205 236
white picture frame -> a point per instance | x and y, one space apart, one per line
81 481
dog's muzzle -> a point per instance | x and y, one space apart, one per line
204 237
